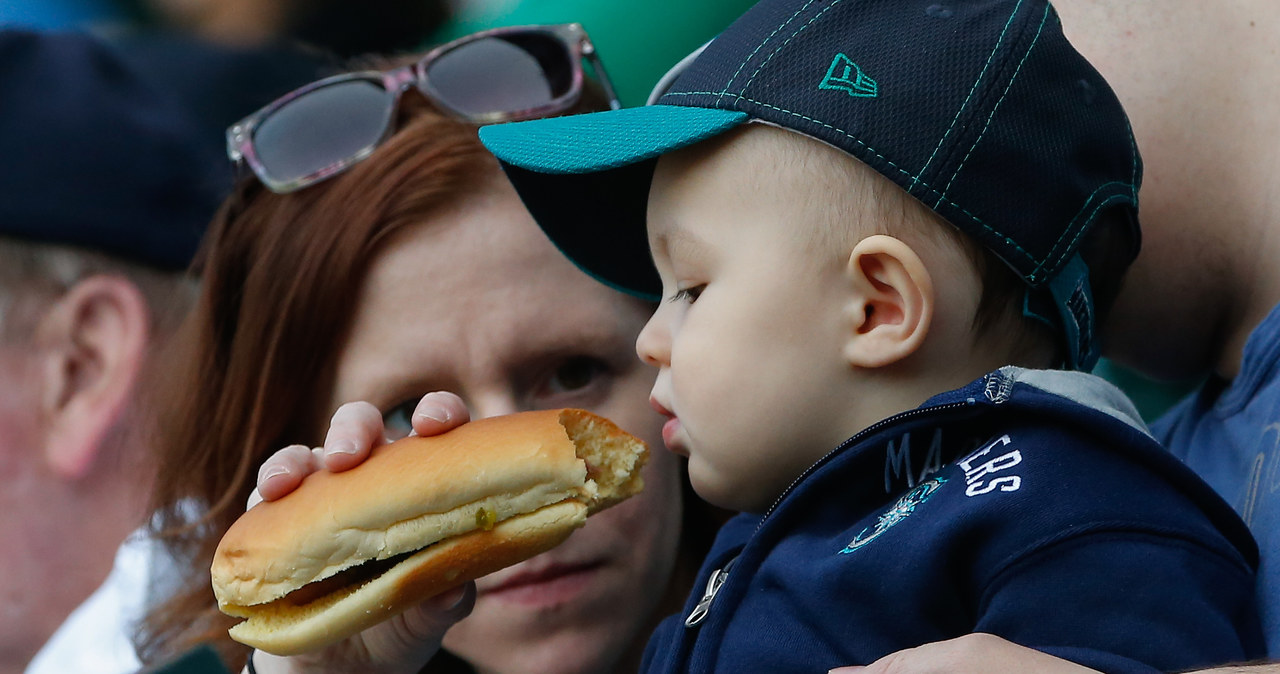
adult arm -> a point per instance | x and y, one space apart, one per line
406 642
989 654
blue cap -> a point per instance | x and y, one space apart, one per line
980 109
96 158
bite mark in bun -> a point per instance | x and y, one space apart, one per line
348 550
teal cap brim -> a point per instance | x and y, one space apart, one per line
600 141
585 179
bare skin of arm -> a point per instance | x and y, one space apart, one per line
987 654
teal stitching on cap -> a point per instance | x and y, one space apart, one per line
784 45
1131 196
1052 259
879 156
1004 94
1133 153
757 49
1080 229
969 96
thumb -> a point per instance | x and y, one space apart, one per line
414 636
855 669
435 615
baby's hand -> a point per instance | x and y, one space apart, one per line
355 430
408 641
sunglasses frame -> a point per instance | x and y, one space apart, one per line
240 136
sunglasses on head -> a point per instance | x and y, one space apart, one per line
500 75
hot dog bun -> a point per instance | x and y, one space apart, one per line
348 550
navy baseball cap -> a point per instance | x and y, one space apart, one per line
94 157
980 109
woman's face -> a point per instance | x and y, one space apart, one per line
477 301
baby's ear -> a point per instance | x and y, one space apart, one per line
892 302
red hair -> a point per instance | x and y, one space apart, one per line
252 366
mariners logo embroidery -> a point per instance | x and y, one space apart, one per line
845 75
898 512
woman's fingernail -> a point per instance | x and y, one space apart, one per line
434 413
272 471
341 447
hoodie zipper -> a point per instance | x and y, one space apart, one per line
717 579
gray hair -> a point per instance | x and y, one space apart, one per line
33 275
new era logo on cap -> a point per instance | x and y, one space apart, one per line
845 75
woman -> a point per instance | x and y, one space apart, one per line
413 270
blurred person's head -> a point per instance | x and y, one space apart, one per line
343 27
1205 277
219 83
416 270
101 203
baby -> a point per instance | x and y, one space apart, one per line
882 232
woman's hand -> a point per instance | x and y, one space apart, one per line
402 644
406 642
355 430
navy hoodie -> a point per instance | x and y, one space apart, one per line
1030 504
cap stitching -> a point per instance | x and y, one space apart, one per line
757 49
1133 153
1031 258
1052 259
996 108
881 157
968 97
782 46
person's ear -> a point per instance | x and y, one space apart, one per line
892 302
93 343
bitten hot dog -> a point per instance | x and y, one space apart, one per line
348 550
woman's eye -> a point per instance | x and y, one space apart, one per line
690 294
398 421
575 374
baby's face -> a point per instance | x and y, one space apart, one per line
749 334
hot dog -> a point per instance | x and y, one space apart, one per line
422 515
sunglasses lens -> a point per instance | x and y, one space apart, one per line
321 128
500 75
